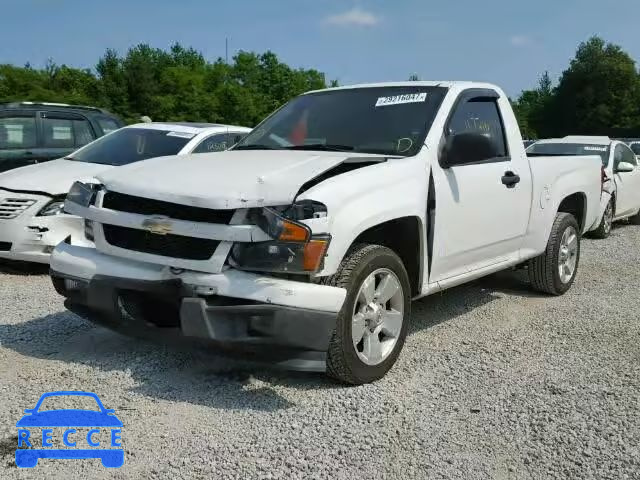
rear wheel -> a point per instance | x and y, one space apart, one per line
372 325
555 270
604 229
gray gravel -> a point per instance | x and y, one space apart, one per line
494 382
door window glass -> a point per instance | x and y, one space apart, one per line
82 131
58 133
17 132
107 124
628 156
481 116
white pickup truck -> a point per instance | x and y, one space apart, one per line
310 238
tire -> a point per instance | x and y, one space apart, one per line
544 270
604 229
346 361
635 220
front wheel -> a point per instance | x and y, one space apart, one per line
604 229
372 325
555 270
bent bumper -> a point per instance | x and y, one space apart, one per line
233 310
32 239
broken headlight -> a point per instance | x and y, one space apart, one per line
293 248
83 194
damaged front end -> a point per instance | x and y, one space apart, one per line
240 279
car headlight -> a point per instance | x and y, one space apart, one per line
55 207
293 249
83 194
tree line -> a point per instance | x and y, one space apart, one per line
174 85
598 94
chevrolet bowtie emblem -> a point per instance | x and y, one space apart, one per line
157 225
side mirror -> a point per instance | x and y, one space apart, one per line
465 148
625 167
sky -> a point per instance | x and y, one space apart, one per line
507 42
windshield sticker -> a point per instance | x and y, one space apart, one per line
596 149
181 134
400 99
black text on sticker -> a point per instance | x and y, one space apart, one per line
400 99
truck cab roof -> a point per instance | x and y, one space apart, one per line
451 84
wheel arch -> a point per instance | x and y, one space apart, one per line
576 205
405 236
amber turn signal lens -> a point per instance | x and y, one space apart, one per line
313 254
292 232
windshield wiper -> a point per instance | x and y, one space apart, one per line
322 147
253 147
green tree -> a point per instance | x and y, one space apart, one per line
532 108
113 85
598 94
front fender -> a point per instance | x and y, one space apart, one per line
365 198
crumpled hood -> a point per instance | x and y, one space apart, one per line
54 177
232 179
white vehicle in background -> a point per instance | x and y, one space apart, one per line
620 197
32 218
310 238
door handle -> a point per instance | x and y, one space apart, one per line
510 179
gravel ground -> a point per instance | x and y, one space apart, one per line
494 382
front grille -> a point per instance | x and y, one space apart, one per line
14 207
174 246
147 206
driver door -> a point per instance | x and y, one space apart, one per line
481 215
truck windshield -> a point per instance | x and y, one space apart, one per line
635 147
384 120
569 149
129 145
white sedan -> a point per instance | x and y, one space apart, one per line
620 197
32 220
635 147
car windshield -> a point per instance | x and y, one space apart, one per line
635 147
129 145
384 120
569 149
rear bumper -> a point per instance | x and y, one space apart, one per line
288 322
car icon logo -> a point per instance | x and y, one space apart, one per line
158 225
73 422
